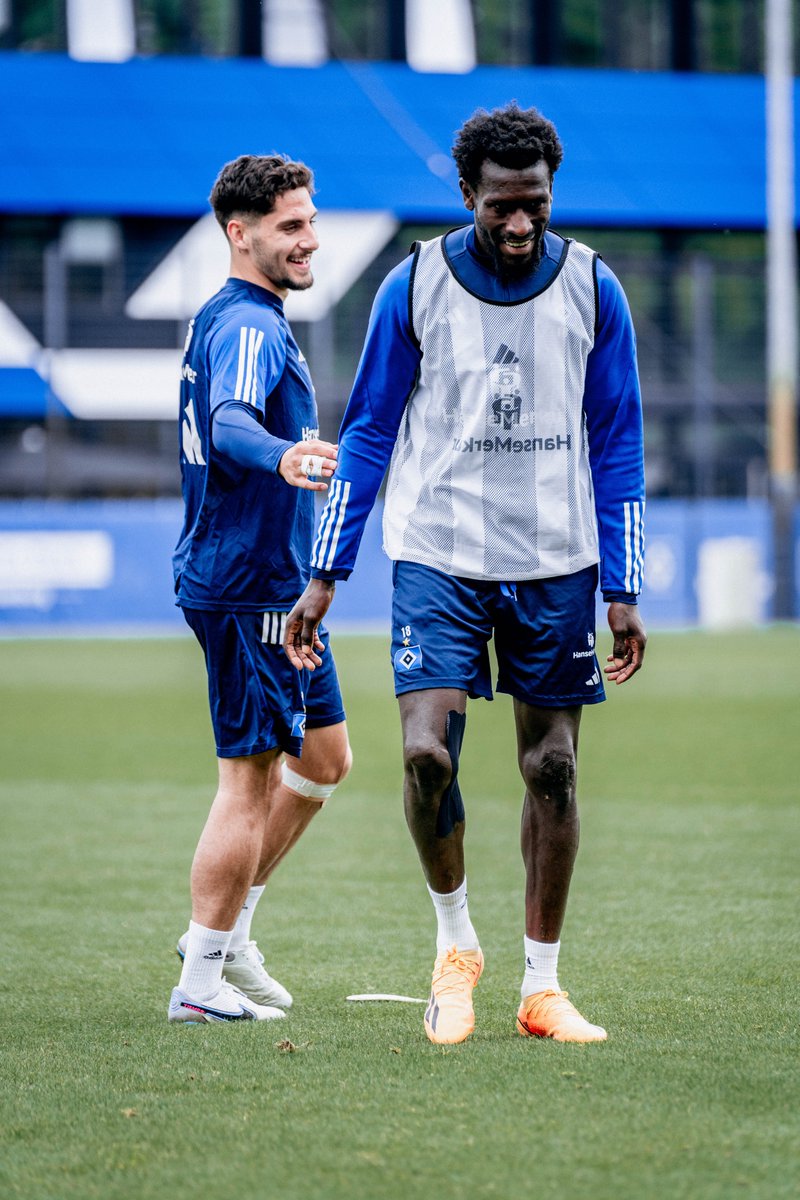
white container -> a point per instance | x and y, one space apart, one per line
731 588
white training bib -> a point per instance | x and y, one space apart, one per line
490 477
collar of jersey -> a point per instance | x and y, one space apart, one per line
255 290
475 271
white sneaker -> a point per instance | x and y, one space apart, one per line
229 1004
244 969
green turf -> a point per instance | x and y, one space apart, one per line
681 938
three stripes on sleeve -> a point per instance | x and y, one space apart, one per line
327 541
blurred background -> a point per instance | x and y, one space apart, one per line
115 118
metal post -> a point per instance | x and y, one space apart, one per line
321 342
250 34
396 30
55 298
614 45
545 32
703 376
55 339
683 31
781 299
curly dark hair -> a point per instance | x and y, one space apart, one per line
512 137
253 182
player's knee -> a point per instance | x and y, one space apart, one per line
430 765
336 765
550 774
319 789
326 763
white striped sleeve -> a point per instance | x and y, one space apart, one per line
330 525
634 545
250 342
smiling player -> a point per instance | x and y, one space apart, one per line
250 441
499 383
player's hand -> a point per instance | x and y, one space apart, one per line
301 640
306 459
630 640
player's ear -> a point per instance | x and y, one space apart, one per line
235 229
467 194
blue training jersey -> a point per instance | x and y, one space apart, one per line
247 534
389 373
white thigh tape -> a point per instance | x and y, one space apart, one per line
311 464
306 787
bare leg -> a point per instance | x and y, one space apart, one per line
227 854
255 820
547 743
326 759
428 772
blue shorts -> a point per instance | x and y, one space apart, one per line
544 633
259 701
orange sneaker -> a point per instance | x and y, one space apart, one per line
551 1014
449 1016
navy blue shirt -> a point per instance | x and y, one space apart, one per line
246 397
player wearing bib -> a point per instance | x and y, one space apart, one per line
249 443
498 383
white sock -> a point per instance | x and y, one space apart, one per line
201 976
241 930
452 914
541 967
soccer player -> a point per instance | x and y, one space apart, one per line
499 376
249 448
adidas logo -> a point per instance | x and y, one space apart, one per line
215 955
504 356
593 682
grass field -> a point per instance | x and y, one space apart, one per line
681 939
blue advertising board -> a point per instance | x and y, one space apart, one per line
105 566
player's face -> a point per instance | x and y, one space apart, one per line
512 211
280 243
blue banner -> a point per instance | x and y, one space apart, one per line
105 566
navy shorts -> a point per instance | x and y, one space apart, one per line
543 629
258 700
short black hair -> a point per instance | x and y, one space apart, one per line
252 183
512 137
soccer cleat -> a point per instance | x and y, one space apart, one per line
551 1014
229 1004
243 968
449 1017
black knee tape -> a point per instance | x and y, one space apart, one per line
451 807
